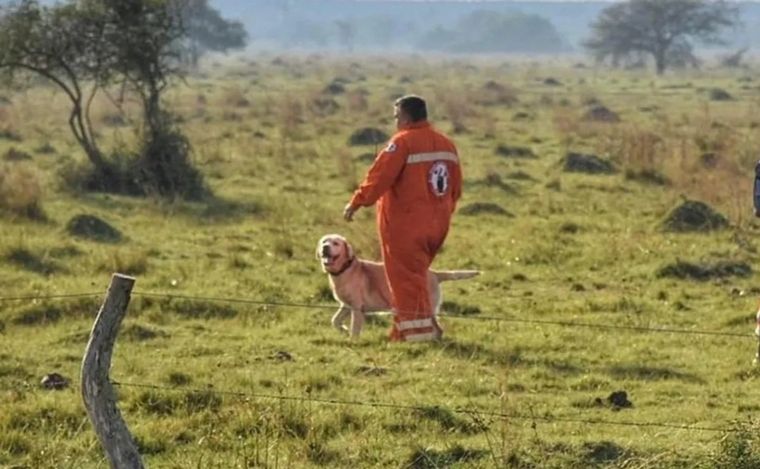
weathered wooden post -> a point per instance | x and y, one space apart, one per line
97 391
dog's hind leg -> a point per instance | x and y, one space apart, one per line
436 299
357 321
340 317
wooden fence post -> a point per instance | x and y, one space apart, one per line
97 391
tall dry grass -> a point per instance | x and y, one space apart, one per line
21 191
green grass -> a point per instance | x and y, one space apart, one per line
578 247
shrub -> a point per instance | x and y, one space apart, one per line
739 449
20 191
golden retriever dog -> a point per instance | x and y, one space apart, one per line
360 285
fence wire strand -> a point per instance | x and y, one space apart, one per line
669 330
411 407
286 304
49 297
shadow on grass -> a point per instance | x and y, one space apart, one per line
27 260
514 357
50 313
448 421
211 209
217 209
648 373
424 458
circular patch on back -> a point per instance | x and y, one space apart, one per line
439 178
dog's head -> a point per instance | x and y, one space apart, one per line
334 252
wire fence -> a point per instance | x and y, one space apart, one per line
424 408
473 317
544 417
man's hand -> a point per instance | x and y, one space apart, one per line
348 212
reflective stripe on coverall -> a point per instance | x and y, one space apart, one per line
416 181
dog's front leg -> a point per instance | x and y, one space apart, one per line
340 317
357 321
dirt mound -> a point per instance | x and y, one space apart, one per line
16 155
514 152
600 113
722 269
616 400
336 87
586 163
719 94
325 106
93 228
491 85
478 208
54 381
602 452
368 136
522 116
647 176
494 180
693 216
494 93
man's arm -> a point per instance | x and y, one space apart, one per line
380 177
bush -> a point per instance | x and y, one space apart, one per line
739 448
20 191
161 167
164 167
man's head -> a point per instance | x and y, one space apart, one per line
409 109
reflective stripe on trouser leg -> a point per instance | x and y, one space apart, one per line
421 336
417 329
415 324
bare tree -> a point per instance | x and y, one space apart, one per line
65 45
83 46
664 29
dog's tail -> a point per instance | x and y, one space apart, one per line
444 275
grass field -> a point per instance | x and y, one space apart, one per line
232 384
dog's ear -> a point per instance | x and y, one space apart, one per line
319 248
349 249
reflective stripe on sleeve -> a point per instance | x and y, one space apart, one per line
432 156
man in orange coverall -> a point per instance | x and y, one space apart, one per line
416 181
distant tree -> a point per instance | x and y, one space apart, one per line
664 29
148 39
734 60
490 31
346 34
208 31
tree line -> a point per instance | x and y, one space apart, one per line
87 47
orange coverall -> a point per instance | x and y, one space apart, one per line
416 181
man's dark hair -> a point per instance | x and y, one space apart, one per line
413 106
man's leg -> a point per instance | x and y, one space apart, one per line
406 267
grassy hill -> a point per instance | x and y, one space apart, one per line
572 177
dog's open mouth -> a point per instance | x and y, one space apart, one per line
328 260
